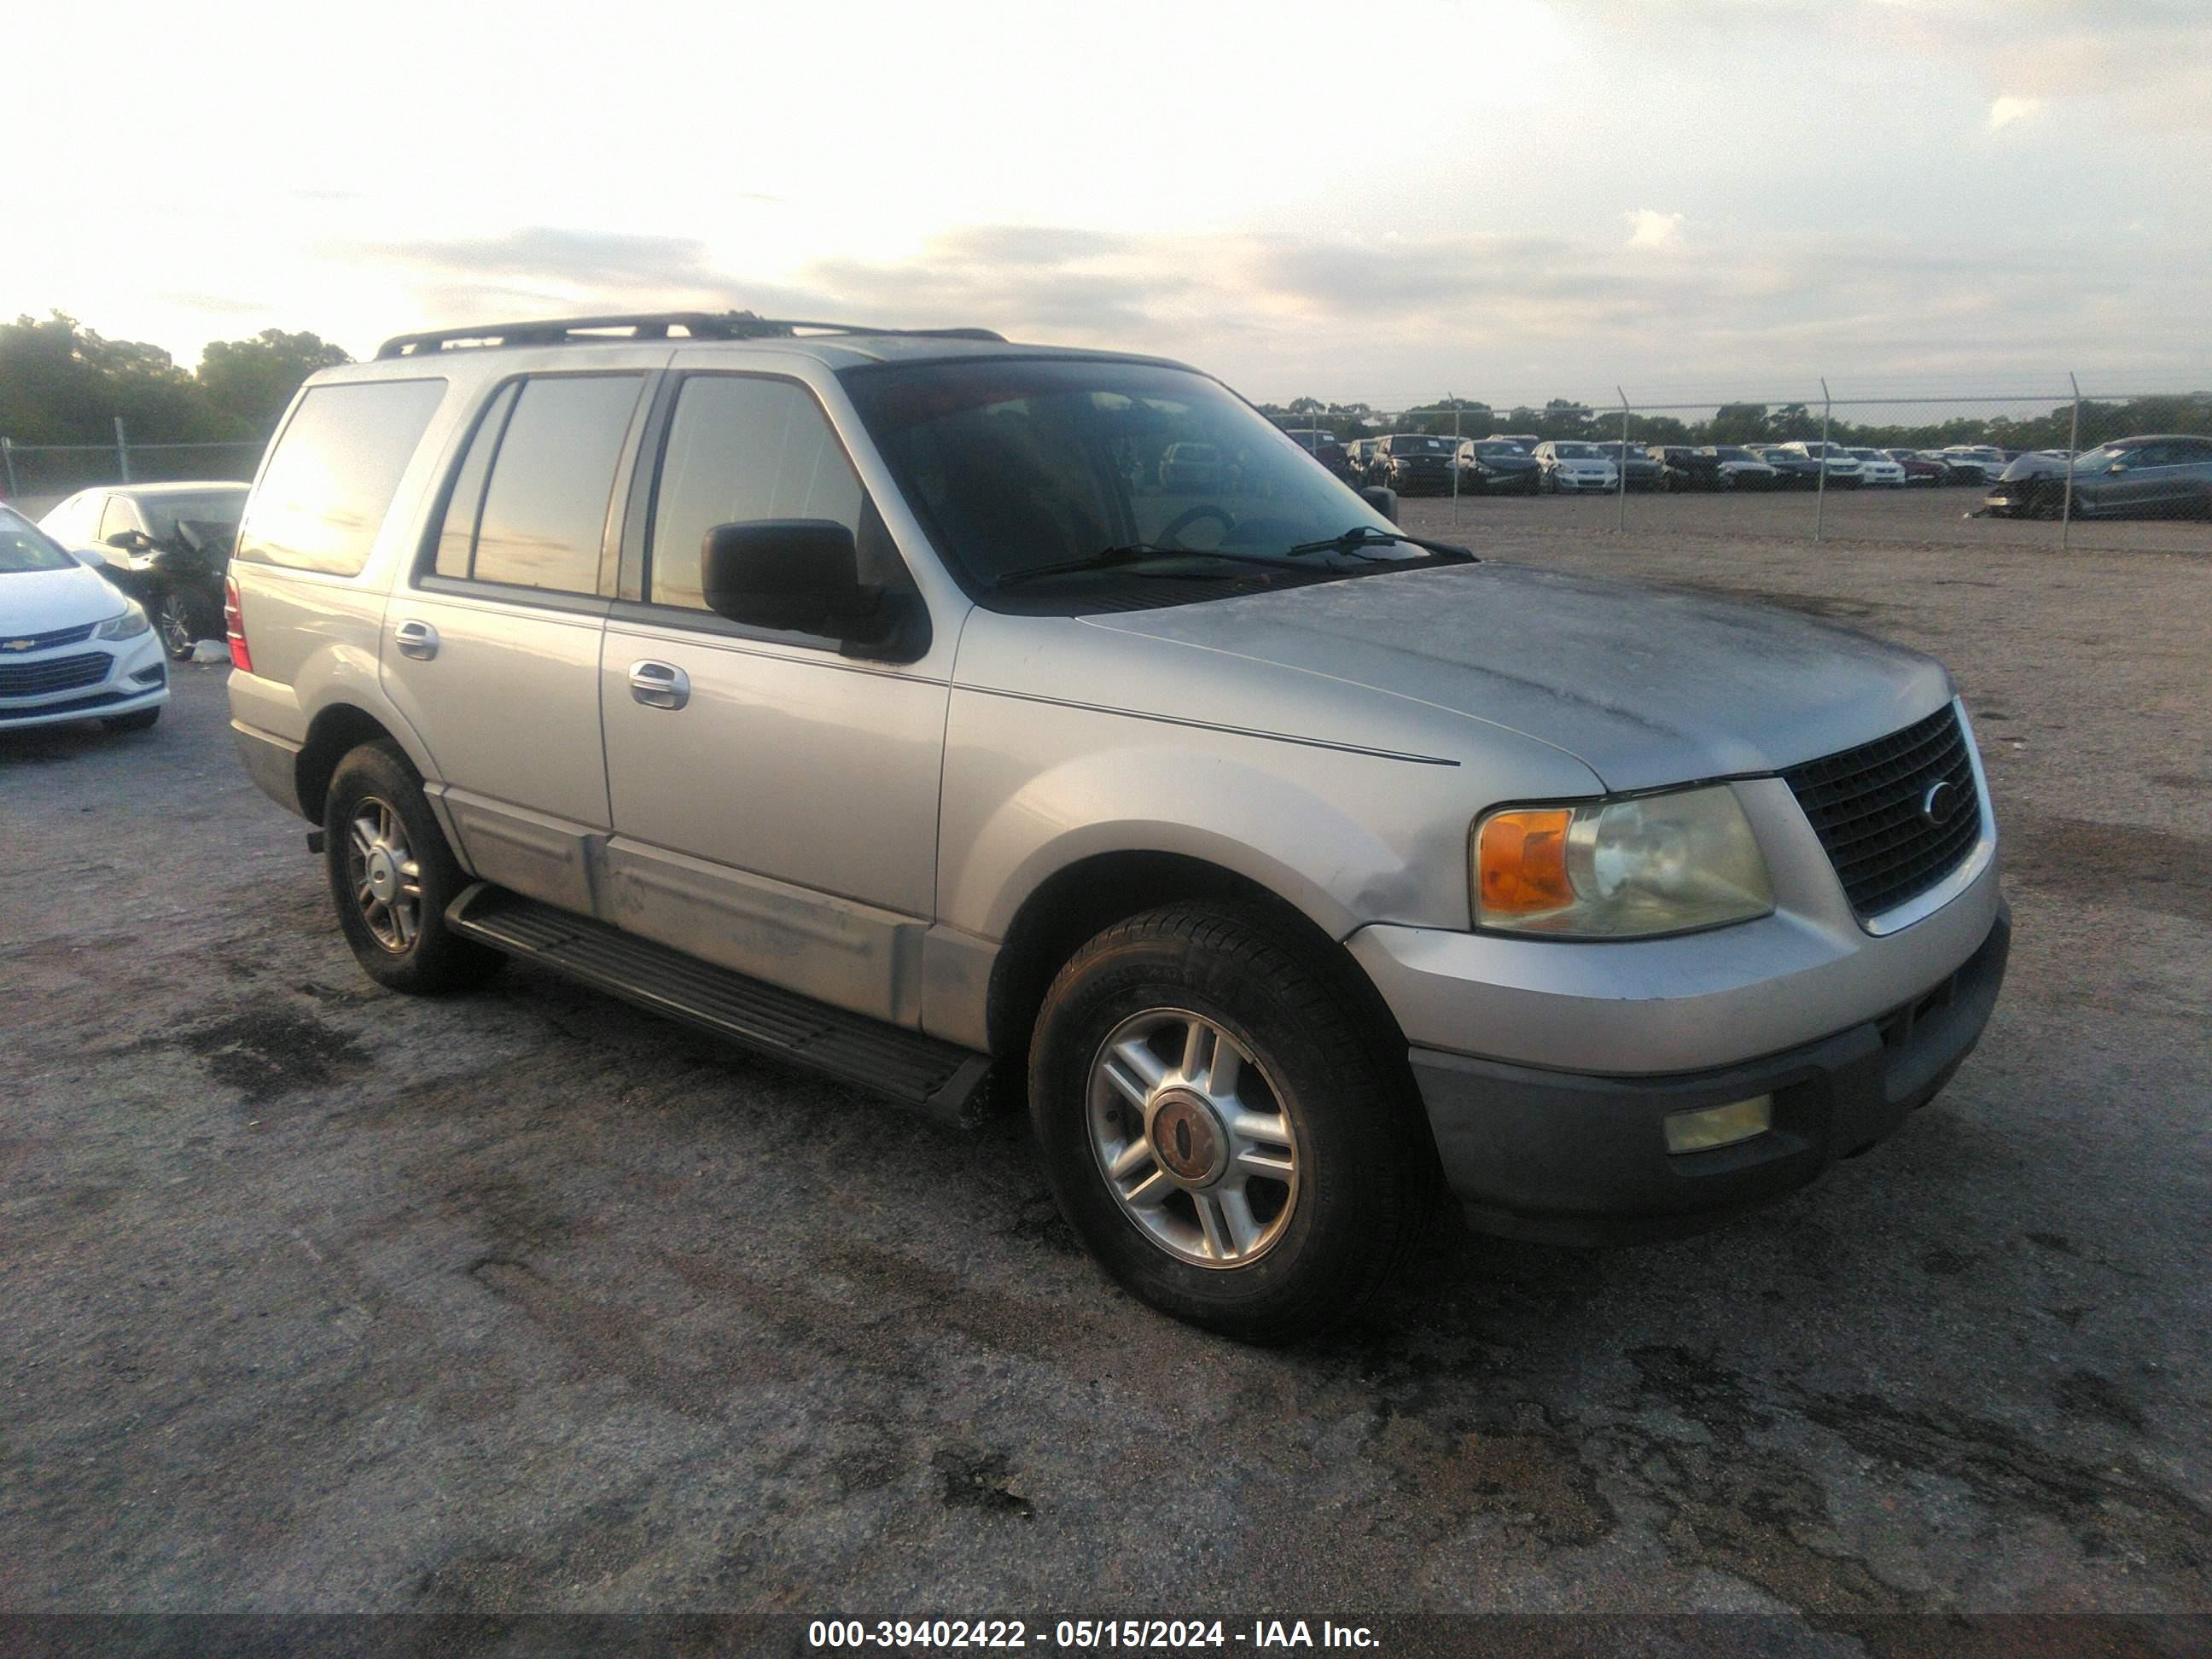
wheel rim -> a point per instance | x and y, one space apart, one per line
1192 1139
386 880
176 630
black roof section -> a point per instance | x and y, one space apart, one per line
645 326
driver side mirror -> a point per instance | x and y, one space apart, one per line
2117 466
802 575
1383 501
130 541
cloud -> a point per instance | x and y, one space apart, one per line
1649 228
2009 109
1399 317
214 304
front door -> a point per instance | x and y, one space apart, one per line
775 802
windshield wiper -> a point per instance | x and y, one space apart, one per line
1366 535
1132 553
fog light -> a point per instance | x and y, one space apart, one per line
1702 1130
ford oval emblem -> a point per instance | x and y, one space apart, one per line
1939 802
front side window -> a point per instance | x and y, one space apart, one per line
325 489
545 504
1016 464
743 448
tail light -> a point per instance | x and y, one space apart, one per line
234 626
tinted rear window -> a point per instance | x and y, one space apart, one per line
545 512
326 489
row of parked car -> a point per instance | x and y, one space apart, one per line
1414 462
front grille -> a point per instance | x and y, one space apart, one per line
1866 805
15 644
34 679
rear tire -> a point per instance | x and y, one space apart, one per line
1162 1167
392 877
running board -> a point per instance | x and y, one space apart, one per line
944 1080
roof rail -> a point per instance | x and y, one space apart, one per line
645 325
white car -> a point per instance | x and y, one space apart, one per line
1876 468
1840 465
71 647
1569 466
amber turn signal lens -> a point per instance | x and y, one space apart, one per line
1523 862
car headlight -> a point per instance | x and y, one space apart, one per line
1619 869
131 623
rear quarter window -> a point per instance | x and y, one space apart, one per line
324 494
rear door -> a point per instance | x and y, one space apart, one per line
491 646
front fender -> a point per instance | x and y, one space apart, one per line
1347 838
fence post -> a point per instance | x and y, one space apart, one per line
1820 478
1455 443
2073 447
7 449
1620 489
122 453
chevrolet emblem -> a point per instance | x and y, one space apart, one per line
16 645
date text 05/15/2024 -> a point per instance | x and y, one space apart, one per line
1087 1635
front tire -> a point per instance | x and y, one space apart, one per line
1220 1130
392 877
173 617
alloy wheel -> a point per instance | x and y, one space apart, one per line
1191 1138
385 878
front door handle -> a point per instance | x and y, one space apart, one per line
659 684
418 640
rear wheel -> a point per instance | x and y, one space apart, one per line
1220 1130
392 877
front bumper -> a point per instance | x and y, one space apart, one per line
1582 1159
135 678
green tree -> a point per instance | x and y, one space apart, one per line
62 384
248 382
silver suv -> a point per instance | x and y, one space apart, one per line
891 702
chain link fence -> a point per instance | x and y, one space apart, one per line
37 476
1946 468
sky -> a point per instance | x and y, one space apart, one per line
1387 203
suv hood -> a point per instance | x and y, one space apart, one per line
42 601
1647 686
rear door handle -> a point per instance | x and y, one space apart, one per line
659 684
418 640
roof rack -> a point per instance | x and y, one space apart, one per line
645 326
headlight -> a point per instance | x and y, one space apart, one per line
131 623
1621 869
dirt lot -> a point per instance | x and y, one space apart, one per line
320 1297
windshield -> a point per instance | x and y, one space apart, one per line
1578 452
203 507
1016 463
24 547
1404 444
1501 452
1734 455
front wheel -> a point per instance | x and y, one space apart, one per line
173 616
1220 1131
392 877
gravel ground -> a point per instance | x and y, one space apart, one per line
317 1297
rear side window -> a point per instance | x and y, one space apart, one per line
457 537
324 494
741 448
545 508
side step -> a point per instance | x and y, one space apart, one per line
942 1079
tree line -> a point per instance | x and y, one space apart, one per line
1751 423
63 383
